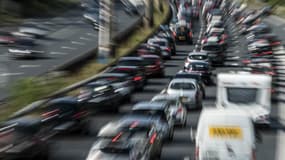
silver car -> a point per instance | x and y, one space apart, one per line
196 57
177 109
189 90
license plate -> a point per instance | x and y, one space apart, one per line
225 132
181 38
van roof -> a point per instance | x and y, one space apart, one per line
244 78
228 112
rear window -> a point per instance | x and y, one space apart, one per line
129 63
198 57
242 95
212 48
150 61
182 85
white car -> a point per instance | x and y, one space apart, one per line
177 109
225 134
196 57
189 90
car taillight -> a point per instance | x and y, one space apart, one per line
268 52
253 154
246 61
117 137
221 42
137 78
50 113
190 34
168 49
179 109
152 138
275 43
197 153
79 115
270 73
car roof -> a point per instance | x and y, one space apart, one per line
198 53
165 96
183 80
65 100
149 56
131 58
150 105
112 74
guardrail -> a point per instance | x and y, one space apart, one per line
64 91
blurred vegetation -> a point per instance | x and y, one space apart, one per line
31 89
277 5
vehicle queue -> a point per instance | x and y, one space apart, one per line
141 134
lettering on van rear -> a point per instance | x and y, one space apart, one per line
225 132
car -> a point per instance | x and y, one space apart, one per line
153 65
272 39
196 56
195 12
65 115
188 89
23 138
183 33
132 61
215 39
170 38
141 128
37 31
203 68
182 74
137 76
159 110
6 38
224 133
219 33
262 68
164 46
215 14
100 96
185 14
177 108
26 52
260 28
215 52
149 49
260 48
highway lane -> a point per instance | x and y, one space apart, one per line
69 37
75 147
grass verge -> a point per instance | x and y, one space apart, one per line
31 89
278 9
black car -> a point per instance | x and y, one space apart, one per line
183 33
215 52
22 138
100 96
202 68
137 76
171 40
65 115
197 76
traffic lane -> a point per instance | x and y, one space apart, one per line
76 147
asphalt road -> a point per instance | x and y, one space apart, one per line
74 147
69 37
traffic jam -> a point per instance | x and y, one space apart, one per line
238 85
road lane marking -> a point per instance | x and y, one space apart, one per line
91 34
84 38
58 53
79 43
11 74
30 66
66 47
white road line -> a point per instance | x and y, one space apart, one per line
91 34
11 74
66 47
30 66
280 154
79 43
58 53
84 38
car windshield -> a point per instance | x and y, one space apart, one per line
198 57
182 85
212 48
242 95
129 62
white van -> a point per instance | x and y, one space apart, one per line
225 134
248 92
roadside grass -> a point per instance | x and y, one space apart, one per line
32 89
